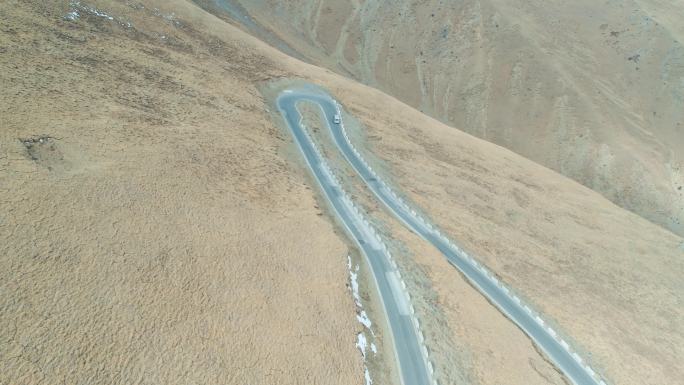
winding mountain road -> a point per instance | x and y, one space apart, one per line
544 336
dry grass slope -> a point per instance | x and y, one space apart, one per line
607 277
590 89
147 212
164 231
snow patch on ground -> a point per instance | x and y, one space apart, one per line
367 377
76 9
76 6
361 315
362 343
364 320
353 278
361 340
72 15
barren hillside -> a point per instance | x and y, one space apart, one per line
590 89
146 208
157 224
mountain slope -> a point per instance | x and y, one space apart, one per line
157 224
590 89
144 193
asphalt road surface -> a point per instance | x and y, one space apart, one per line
410 352
548 340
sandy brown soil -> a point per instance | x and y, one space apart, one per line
164 230
590 89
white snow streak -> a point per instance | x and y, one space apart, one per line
362 344
367 377
361 340
77 9
364 320
72 16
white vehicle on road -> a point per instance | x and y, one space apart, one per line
336 119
